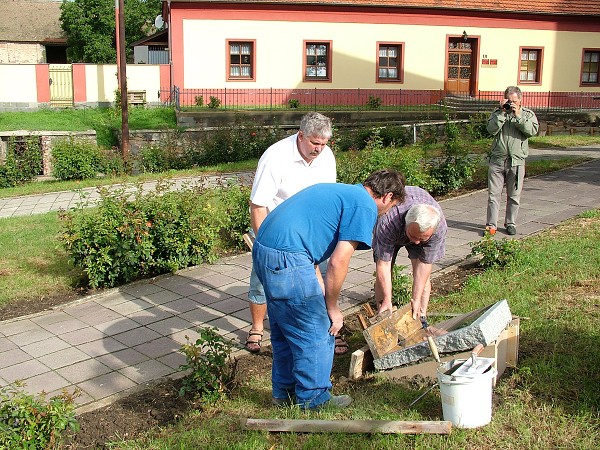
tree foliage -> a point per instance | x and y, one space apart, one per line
90 26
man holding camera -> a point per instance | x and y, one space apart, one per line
511 125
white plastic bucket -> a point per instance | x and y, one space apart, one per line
466 401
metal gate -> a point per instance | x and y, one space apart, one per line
61 85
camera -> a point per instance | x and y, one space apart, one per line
507 106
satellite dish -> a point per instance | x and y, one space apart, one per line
159 22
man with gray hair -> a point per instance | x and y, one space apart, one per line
285 168
418 224
512 125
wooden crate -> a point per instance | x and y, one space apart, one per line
136 97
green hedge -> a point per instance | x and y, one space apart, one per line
131 235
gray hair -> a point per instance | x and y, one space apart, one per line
316 124
513 90
426 216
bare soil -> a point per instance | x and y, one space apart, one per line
160 404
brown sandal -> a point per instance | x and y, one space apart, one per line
253 346
341 346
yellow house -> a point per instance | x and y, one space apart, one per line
456 46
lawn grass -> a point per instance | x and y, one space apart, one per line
550 401
82 119
33 265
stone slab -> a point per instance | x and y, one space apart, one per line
484 330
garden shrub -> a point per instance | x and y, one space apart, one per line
354 166
237 142
76 159
23 161
395 135
214 102
134 234
476 127
401 286
166 154
373 102
495 253
34 422
357 138
209 365
456 167
112 162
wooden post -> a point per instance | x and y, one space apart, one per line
122 63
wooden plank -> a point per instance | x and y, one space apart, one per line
363 321
361 360
248 240
512 342
460 320
368 309
383 337
348 426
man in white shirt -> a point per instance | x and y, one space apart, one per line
285 168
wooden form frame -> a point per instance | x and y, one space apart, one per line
505 350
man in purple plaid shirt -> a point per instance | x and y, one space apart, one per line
419 225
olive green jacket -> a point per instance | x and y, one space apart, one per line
510 136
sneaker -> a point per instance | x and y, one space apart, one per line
337 401
511 230
489 230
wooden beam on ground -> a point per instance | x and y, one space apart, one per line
348 426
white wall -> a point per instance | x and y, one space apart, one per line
18 83
279 61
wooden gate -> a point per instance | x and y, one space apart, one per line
61 85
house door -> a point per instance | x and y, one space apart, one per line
459 74
61 85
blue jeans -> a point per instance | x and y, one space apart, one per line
302 346
256 292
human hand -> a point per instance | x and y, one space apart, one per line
516 109
337 320
385 306
416 308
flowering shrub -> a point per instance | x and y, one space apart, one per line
30 422
131 235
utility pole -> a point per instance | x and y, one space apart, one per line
122 77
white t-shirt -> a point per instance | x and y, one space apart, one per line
281 172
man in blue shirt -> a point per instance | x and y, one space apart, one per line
323 221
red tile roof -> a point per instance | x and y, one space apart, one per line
553 7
